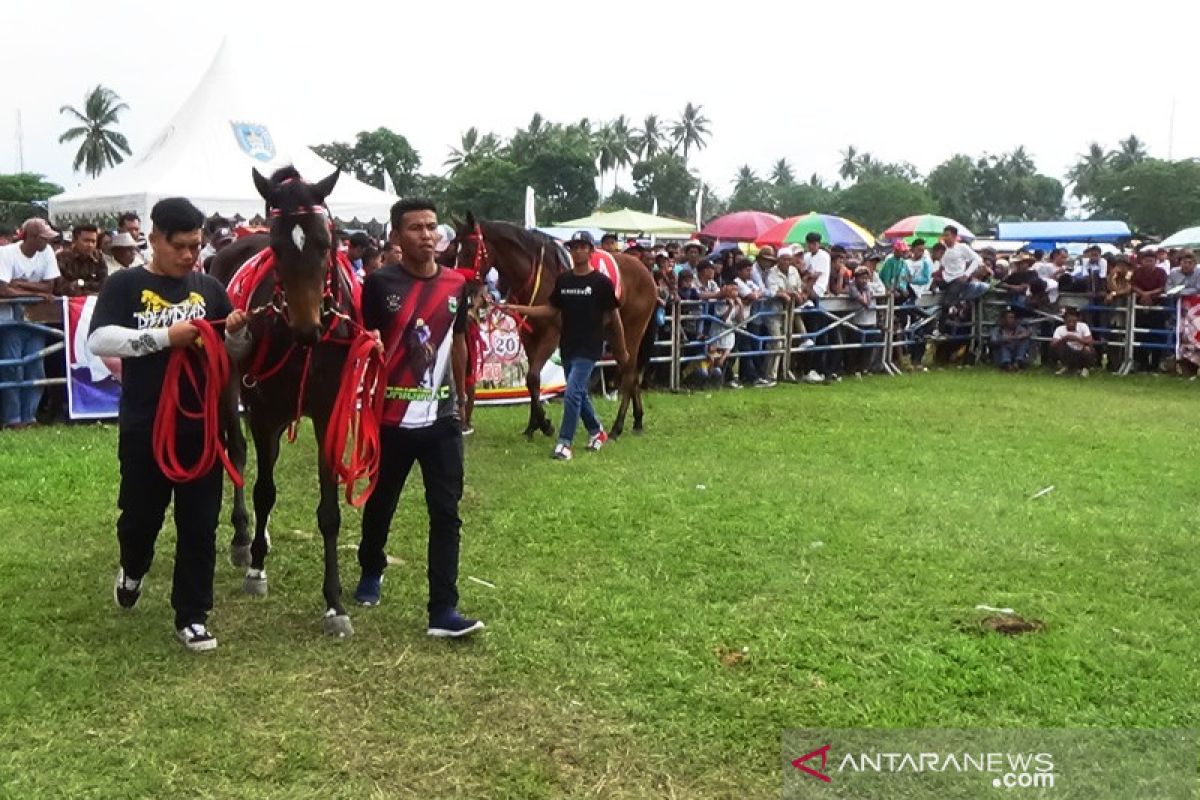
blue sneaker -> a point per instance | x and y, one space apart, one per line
370 587
449 624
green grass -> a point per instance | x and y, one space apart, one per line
843 534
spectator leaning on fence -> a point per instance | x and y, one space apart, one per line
783 286
1185 279
1148 282
1089 274
866 319
920 268
123 253
1010 342
749 367
130 223
1072 345
27 269
81 268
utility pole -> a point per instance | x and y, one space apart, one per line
1171 133
20 144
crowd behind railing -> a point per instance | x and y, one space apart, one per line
809 313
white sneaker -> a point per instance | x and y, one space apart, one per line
597 440
196 638
561 453
807 343
1083 373
1061 371
814 377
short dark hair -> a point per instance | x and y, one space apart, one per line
369 253
918 243
174 215
608 237
1070 311
938 246
742 263
360 239
402 207
85 228
951 229
128 216
812 237
1039 254
1058 250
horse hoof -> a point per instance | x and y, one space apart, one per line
337 625
615 433
638 430
547 428
239 555
255 583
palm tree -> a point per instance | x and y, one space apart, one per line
850 166
1021 163
744 179
781 173
608 148
101 146
649 138
471 148
1088 169
623 145
691 129
1129 152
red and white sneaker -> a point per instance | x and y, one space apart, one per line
597 440
561 453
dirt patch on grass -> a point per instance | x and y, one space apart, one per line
1011 625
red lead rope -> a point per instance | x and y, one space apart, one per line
214 365
354 422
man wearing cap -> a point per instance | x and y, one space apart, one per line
693 251
130 223
122 253
81 268
27 269
585 303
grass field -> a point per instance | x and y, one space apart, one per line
759 560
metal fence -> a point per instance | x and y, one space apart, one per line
55 343
774 333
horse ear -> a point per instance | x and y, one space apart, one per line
471 220
262 185
324 187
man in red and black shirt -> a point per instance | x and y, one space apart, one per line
419 310
1148 282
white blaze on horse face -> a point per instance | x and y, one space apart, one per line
298 237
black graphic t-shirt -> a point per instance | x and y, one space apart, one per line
417 319
142 300
583 301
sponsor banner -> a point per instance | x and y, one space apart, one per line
93 383
503 364
1097 764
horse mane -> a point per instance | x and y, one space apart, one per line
533 243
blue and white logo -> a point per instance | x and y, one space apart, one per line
255 140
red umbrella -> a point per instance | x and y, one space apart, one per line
740 226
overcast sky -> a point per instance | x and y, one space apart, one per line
905 81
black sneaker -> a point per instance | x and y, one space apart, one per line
195 637
452 625
126 591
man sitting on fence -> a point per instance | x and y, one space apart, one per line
961 269
1072 345
1010 342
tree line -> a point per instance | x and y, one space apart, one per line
563 161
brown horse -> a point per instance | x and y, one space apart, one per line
300 345
529 262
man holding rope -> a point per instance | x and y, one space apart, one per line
141 315
420 311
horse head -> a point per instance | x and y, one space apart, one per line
472 251
302 242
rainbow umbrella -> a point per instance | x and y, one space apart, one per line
924 226
833 230
740 226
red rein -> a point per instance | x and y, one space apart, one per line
354 421
214 365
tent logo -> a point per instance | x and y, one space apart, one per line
255 140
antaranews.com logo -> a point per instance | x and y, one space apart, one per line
1011 770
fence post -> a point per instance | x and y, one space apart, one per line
786 345
1127 364
675 345
889 334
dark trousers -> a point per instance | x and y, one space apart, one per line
439 451
144 496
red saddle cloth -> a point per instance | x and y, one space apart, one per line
603 262
256 269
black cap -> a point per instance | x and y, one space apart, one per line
581 236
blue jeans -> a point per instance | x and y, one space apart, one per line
20 405
1011 352
576 402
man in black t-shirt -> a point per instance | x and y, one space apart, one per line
141 315
587 304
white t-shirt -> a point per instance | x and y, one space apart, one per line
14 266
1081 329
818 264
958 261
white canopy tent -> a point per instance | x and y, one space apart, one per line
205 153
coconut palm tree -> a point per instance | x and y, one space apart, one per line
608 151
1129 152
691 129
849 169
623 145
781 173
744 179
1088 169
102 146
472 147
648 139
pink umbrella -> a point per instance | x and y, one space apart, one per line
740 226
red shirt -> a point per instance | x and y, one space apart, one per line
1149 279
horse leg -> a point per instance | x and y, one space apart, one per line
537 352
266 451
329 519
235 438
637 405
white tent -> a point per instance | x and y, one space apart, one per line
205 154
